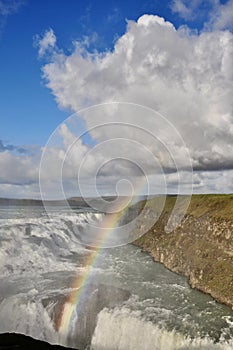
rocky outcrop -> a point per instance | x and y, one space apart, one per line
22 342
201 248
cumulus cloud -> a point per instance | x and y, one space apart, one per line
186 77
46 43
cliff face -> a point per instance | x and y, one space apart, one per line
201 248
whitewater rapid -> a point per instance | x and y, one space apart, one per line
130 302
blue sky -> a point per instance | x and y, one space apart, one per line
26 104
99 51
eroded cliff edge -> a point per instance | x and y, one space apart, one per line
201 248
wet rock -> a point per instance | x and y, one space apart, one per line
22 342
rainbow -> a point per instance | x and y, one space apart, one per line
79 285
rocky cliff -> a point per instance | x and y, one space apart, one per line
201 248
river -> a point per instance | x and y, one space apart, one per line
126 302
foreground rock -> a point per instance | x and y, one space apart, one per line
97 297
23 342
201 248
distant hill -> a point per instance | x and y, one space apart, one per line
73 201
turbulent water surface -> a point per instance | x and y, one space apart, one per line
128 302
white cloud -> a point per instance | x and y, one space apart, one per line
186 77
18 169
218 16
185 8
221 17
46 43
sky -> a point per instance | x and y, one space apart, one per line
167 64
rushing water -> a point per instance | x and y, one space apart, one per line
129 303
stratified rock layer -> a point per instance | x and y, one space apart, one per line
201 248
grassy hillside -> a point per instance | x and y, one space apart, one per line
215 205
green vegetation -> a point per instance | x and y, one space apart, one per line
215 205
